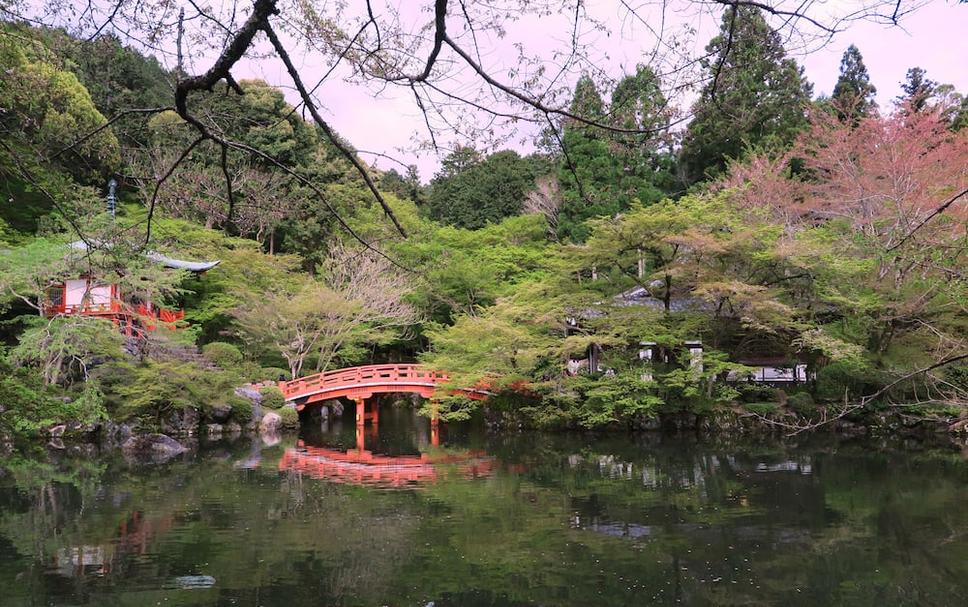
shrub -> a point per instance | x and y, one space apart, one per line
756 393
290 417
800 400
274 373
30 407
153 389
802 403
842 377
223 354
241 408
272 398
761 408
957 376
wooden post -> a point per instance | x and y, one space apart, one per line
360 439
360 411
434 425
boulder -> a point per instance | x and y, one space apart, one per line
82 431
220 413
250 393
214 429
183 422
152 448
232 428
271 423
113 434
57 431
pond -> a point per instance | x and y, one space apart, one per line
485 519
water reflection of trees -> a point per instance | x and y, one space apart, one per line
564 520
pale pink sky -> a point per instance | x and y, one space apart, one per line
935 38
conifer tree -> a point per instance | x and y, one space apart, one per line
917 90
755 95
589 172
853 94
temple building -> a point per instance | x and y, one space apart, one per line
131 313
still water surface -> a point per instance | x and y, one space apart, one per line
487 520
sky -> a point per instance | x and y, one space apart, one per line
934 37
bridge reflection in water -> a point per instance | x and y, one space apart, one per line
361 466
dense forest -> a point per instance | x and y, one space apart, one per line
771 229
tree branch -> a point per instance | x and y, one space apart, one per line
348 153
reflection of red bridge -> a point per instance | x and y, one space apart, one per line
362 467
361 383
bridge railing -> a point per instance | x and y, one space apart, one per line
355 376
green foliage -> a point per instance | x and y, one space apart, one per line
752 393
604 171
46 107
494 291
762 408
152 389
117 78
225 355
917 89
755 95
957 376
241 408
617 398
469 269
29 406
273 398
64 349
802 403
842 380
290 417
472 192
244 273
273 373
853 95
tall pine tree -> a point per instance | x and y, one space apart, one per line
917 90
638 103
853 95
604 170
589 172
754 95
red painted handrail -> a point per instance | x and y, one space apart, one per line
396 375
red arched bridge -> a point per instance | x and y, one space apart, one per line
361 383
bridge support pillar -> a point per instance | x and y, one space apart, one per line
434 425
360 411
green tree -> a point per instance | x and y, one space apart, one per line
853 95
589 172
118 78
470 192
64 349
45 108
917 90
755 95
404 186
